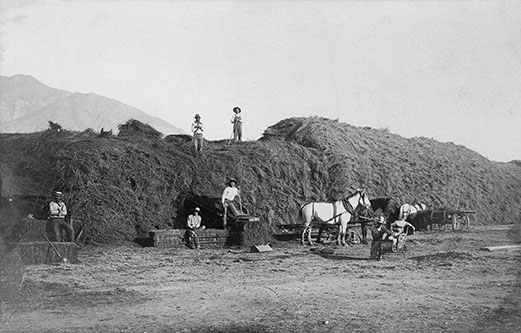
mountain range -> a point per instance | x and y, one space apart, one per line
27 105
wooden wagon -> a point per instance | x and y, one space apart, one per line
456 218
328 232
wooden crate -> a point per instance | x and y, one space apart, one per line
208 238
167 238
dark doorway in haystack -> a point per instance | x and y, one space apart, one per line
211 210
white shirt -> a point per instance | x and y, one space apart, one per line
197 127
230 193
194 221
58 209
236 118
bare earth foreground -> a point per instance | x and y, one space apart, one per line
443 283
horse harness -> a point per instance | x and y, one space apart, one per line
345 202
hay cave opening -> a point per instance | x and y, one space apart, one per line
210 206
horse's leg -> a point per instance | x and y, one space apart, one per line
309 237
303 241
320 230
364 232
342 233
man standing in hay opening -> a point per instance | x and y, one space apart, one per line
228 197
197 130
380 233
237 124
57 215
193 223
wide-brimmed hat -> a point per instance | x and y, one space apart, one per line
232 180
236 109
197 116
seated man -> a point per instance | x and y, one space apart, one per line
192 224
397 229
230 193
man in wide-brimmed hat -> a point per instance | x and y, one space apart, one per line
237 124
193 223
197 130
57 217
230 193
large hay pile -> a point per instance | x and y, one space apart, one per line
120 187
438 174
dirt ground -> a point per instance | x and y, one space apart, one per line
443 283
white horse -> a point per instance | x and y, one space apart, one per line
407 210
338 212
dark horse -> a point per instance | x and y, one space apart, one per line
382 204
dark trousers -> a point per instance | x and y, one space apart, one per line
237 131
60 226
376 249
190 233
229 206
198 141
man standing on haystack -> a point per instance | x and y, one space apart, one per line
57 215
197 130
237 124
228 197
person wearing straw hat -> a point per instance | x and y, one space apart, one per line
380 233
228 197
237 124
193 223
57 214
197 130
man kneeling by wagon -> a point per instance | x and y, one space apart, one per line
397 229
379 233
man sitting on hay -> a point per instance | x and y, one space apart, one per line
230 193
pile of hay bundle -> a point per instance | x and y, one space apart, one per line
120 187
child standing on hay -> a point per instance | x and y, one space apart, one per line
228 197
197 130
237 124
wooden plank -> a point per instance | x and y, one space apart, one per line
502 248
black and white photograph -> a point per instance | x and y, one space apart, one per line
230 166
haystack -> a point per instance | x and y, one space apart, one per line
120 188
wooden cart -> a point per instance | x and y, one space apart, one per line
457 218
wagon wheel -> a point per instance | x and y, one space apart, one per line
354 238
400 246
465 222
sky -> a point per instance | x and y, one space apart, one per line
448 70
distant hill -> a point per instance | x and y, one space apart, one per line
26 105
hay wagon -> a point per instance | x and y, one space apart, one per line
456 218
328 232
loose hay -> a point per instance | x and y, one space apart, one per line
119 188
